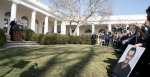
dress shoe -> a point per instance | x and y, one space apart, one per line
119 51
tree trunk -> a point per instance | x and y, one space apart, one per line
70 29
75 31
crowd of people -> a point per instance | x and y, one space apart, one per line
139 36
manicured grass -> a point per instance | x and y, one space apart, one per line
58 61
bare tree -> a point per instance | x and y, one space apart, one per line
79 11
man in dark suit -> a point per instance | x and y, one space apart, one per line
93 38
13 23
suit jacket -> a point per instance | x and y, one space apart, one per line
109 33
103 37
127 36
93 36
13 23
133 38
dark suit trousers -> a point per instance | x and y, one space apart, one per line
11 37
93 41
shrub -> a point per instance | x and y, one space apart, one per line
82 39
27 34
2 37
64 39
49 32
77 39
71 39
58 38
47 39
41 38
37 37
88 40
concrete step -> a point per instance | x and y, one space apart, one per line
21 42
10 44
8 37
18 46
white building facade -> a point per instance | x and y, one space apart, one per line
36 15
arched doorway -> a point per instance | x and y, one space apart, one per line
88 31
7 22
24 22
101 30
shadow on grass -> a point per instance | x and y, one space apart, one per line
71 71
21 64
74 70
112 63
31 72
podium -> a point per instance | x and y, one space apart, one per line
17 32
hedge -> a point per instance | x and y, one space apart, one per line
71 39
82 39
77 39
3 39
88 40
56 38
37 37
27 34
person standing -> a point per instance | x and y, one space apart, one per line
13 23
109 33
93 38
107 39
104 31
102 40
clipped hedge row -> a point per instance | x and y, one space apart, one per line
57 38
2 37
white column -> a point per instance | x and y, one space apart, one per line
109 27
55 26
63 28
13 11
93 28
46 25
127 25
33 17
78 31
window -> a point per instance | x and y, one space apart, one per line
36 26
101 30
43 28
24 21
5 29
7 14
88 31
6 21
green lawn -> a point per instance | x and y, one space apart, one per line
58 61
